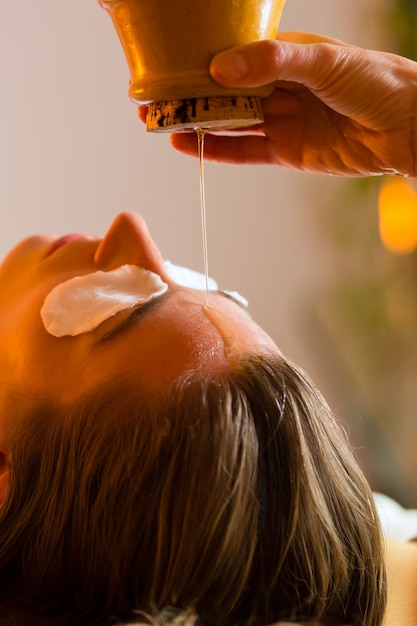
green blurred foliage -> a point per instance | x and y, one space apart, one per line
403 24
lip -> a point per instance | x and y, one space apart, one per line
59 243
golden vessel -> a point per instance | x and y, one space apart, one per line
168 45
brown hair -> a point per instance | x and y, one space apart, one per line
234 500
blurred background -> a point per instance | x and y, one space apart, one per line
328 274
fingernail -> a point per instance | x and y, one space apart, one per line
231 65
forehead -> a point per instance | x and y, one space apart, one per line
162 340
178 334
150 351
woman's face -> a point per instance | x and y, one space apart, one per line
167 339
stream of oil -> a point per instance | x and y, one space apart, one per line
219 321
200 135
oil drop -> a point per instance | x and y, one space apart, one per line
226 329
200 135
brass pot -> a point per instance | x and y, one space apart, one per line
168 47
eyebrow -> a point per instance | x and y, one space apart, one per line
143 310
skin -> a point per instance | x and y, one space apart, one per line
171 339
336 109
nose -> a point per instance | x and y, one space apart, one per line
128 241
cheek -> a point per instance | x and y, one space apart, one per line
20 305
21 290
34 362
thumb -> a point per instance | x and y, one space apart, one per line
245 65
263 62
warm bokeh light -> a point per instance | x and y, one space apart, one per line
398 216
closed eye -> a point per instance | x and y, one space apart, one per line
137 315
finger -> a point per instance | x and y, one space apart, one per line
236 150
142 113
186 142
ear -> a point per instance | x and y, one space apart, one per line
4 477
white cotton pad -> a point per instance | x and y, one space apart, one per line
189 278
84 302
195 280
